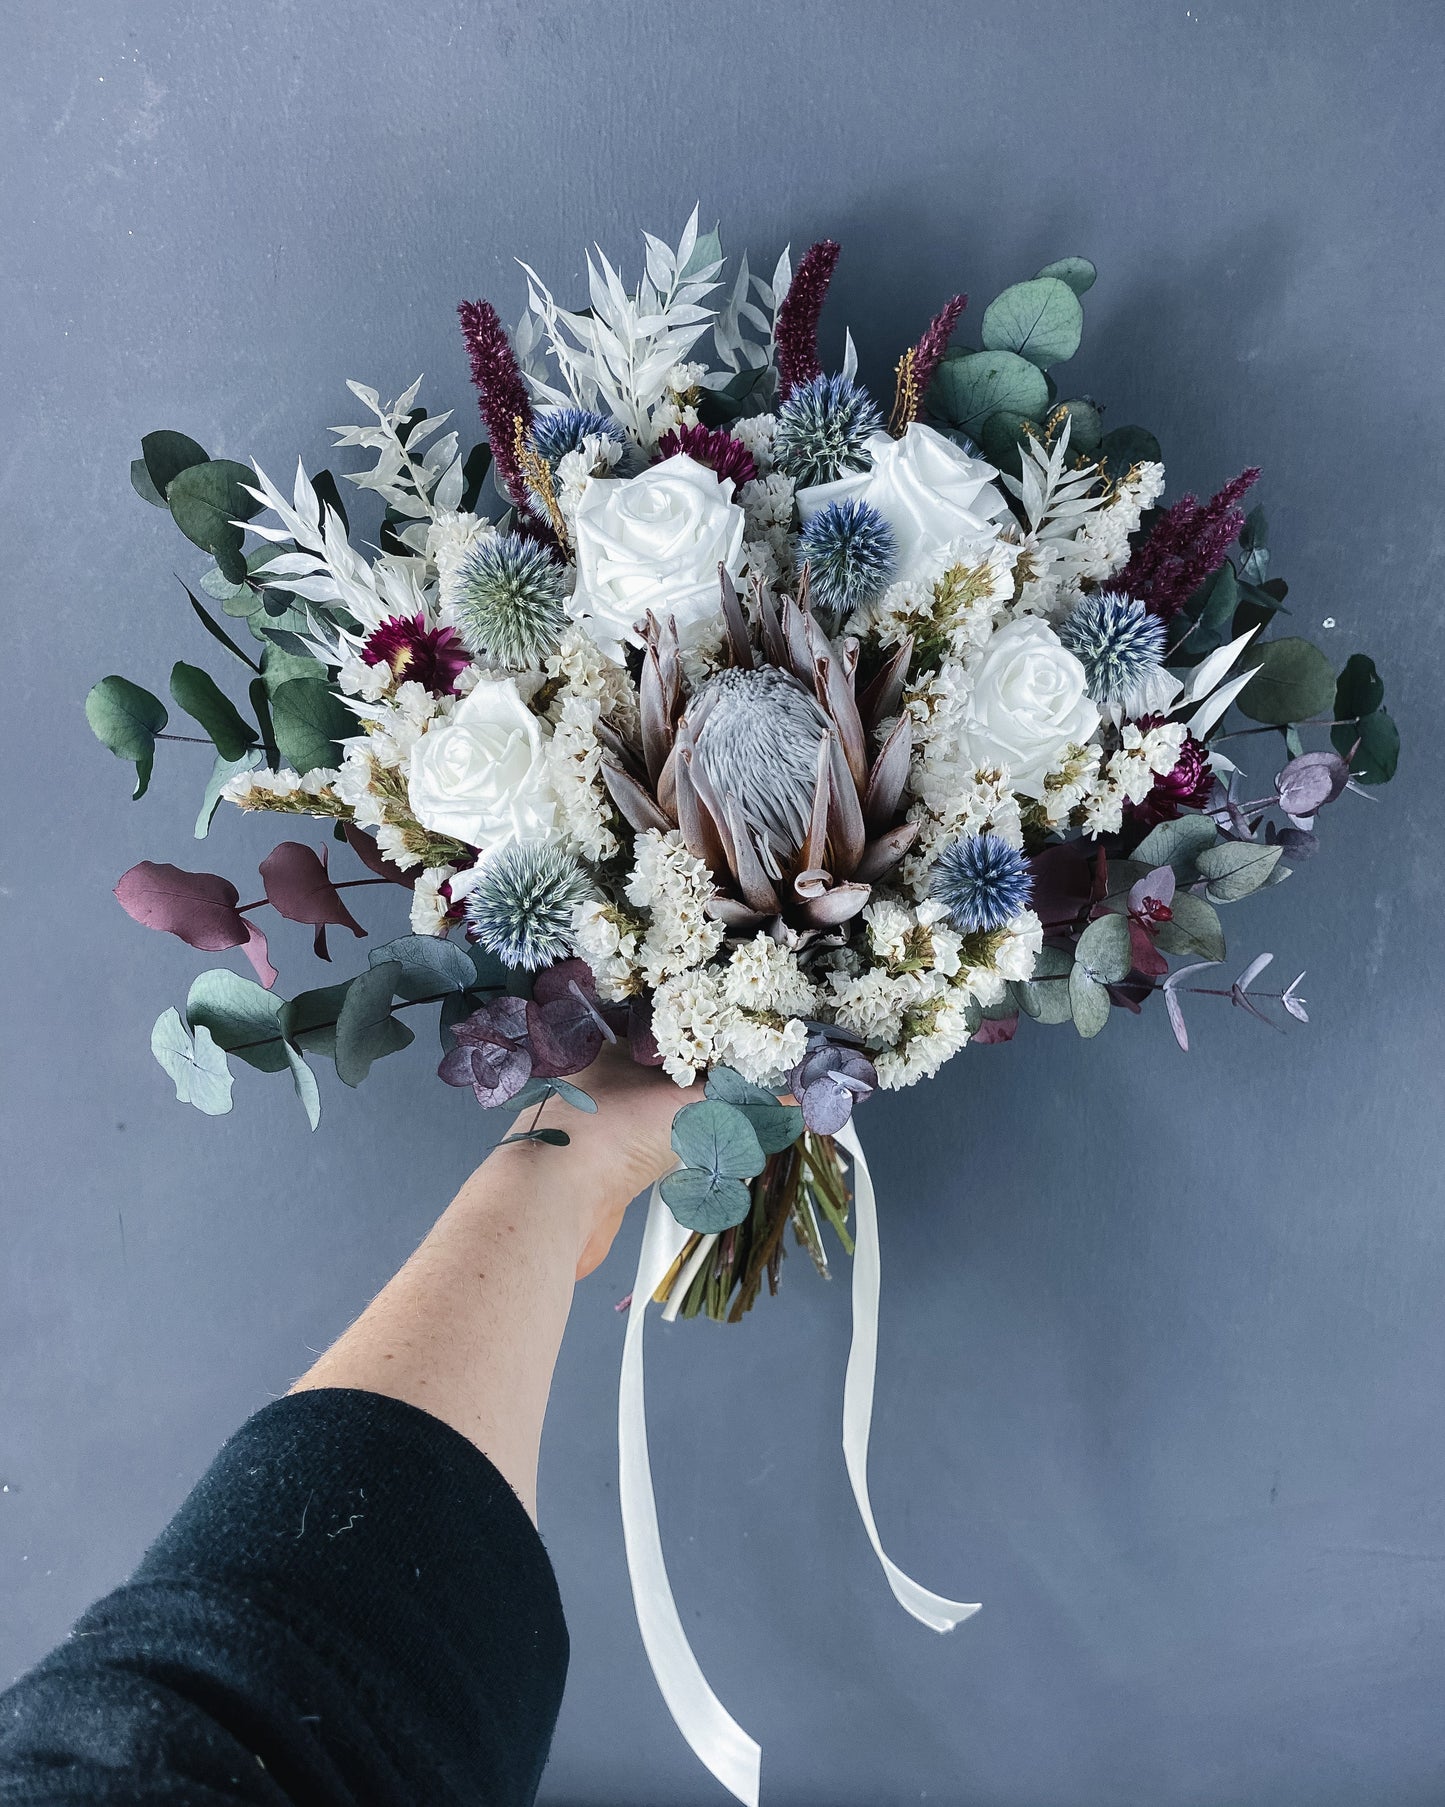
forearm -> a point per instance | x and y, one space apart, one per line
469 1329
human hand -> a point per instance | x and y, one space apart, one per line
615 1153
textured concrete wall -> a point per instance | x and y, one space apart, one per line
1163 1351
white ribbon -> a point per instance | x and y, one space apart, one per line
717 1739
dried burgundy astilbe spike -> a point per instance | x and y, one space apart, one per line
797 323
1187 545
928 352
503 393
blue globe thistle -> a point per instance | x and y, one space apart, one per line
823 430
558 431
508 599
982 882
1119 644
520 908
851 553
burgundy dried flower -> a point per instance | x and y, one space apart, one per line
719 451
797 322
928 352
1188 543
503 393
430 656
1186 786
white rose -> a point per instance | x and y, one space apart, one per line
927 489
654 542
1028 703
481 775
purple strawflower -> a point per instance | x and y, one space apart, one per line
1187 545
502 391
430 656
719 451
928 352
796 332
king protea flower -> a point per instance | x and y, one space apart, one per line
767 769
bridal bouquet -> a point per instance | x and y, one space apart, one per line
792 737
796 742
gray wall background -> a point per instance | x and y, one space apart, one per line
1163 1351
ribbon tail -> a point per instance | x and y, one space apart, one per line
932 1609
716 1738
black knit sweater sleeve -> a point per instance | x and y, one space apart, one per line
351 1607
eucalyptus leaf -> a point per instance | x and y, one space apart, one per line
1374 760
304 1081
573 1095
165 455
206 501
1104 950
198 693
430 967
1293 681
1125 447
140 482
1178 844
198 1068
1000 438
1359 691
1086 426
1040 320
365 1029
1088 1000
1078 272
242 1016
280 665
1235 868
718 1138
221 774
966 390
309 721
309 1019
1045 996
1194 928
706 1202
127 719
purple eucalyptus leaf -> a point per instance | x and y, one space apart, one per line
640 1038
1311 781
827 1106
257 952
300 888
456 1066
555 982
366 850
501 1023
564 1036
199 907
1298 843
1252 971
1144 957
828 1059
498 1074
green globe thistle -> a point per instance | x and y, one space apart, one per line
520 907
508 599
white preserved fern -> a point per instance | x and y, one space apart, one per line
415 483
753 304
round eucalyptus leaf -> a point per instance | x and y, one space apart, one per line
706 1202
1235 868
309 720
1104 949
127 719
1086 425
430 966
1359 691
165 455
1125 447
999 439
206 500
198 1068
1040 320
967 390
1089 1000
718 1138
1293 681
1374 760
242 1017
365 1028
1078 272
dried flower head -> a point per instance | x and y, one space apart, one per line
508 600
719 451
1119 644
430 656
823 430
851 554
520 908
982 882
